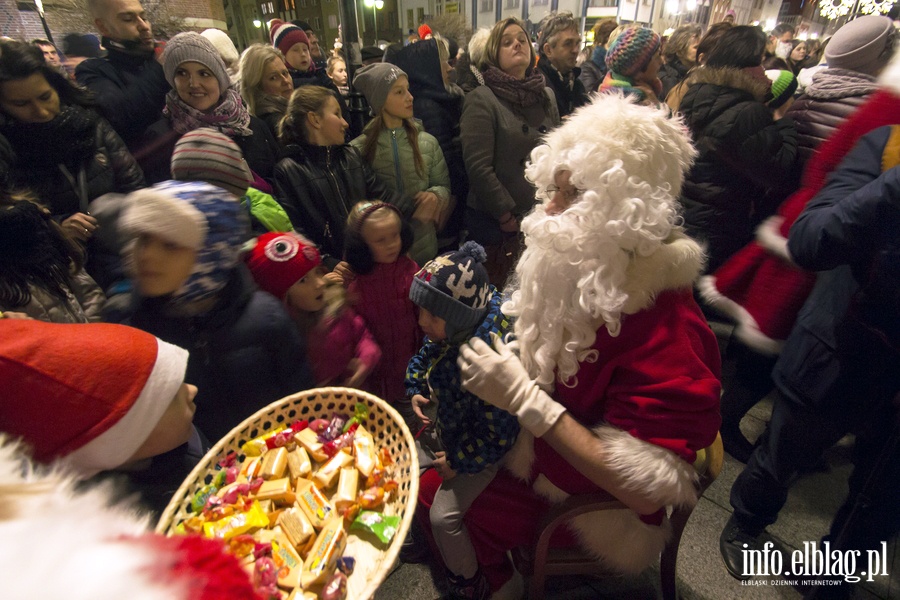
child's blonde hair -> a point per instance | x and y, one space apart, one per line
356 251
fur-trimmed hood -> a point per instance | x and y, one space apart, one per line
713 91
737 79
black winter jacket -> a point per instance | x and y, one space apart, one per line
130 90
671 74
437 108
317 186
743 155
568 97
843 337
244 354
260 150
110 168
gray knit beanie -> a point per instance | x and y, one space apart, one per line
454 287
190 46
375 81
862 45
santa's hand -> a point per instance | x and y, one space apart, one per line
497 376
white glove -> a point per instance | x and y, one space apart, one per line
497 376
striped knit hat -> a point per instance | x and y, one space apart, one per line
285 35
209 155
784 84
630 53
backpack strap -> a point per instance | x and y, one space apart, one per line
890 158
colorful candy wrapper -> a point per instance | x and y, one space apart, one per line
334 429
202 495
346 564
237 523
257 446
336 588
383 526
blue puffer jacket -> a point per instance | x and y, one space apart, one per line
849 230
245 352
474 433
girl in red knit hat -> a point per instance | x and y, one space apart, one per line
341 348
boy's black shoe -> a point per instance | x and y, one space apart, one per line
732 543
476 588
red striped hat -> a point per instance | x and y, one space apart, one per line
88 393
209 155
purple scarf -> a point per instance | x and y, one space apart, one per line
230 116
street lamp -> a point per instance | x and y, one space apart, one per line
375 5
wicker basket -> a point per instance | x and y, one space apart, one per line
386 426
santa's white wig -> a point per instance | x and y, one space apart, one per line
627 163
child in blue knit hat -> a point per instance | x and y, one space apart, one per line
457 303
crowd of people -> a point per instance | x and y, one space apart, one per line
519 251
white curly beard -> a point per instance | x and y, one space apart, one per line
572 276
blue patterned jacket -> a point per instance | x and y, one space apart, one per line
474 433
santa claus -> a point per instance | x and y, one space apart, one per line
614 372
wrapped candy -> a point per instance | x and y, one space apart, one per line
334 429
237 523
384 527
202 495
372 497
336 588
319 425
346 564
344 440
257 445
322 558
229 461
265 577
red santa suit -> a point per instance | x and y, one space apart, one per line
760 287
633 357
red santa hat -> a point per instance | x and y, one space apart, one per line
88 393
424 30
99 548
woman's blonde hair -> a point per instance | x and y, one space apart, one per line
304 100
491 56
332 63
253 63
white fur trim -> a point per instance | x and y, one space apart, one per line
155 212
117 444
676 264
746 328
618 538
768 235
644 466
513 589
59 544
890 77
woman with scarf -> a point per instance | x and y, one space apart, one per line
633 61
202 96
266 84
502 121
745 155
64 151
